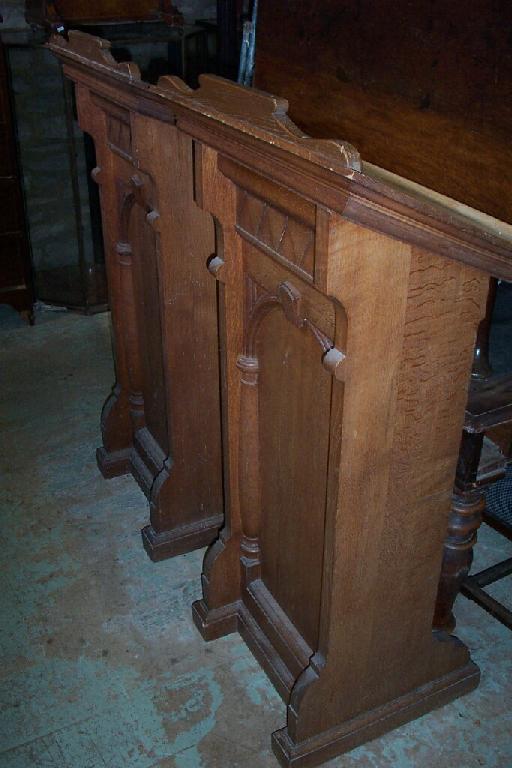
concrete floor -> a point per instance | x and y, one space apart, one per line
100 663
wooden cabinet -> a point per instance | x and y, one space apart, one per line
348 305
15 267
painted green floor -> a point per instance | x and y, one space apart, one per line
100 663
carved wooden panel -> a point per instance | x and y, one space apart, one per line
294 401
324 462
289 365
277 231
119 132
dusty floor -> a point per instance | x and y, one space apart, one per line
100 663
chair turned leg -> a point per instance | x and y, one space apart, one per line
465 519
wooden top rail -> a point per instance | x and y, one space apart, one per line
253 128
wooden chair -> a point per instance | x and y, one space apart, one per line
481 463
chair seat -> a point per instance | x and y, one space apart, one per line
489 403
492 465
498 511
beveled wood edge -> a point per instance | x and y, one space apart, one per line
483 220
252 127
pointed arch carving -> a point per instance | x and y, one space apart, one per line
288 298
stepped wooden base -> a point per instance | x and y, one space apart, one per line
216 623
371 725
149 466
148 461
179 540
113 464
236 617
144 460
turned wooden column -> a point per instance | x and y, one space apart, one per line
250 496
465 519
113 456
130 336
468 500
480 464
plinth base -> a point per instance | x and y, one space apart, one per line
376 722
113 464
216 623
177 541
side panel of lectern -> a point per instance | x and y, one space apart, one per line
286 413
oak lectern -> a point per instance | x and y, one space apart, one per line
347 303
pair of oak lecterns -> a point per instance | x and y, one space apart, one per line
294 333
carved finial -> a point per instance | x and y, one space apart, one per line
140 193
152 218
333 362
215 265
96 174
